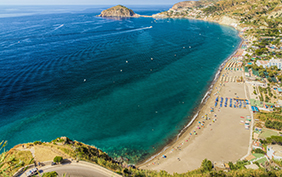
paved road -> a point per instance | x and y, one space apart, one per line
81 169
77 171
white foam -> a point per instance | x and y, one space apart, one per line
195 116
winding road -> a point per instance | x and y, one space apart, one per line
81 169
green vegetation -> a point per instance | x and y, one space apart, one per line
274 140
58 159
260 161
206 165
11 161
239 165
37 142
278 162
259 151
274 116
273 124
258 155
50 174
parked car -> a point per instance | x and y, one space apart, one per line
32 172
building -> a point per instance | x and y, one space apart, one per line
257 144
275 62
272 62
275 152
252 166
262 63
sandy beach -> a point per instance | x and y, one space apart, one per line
222 136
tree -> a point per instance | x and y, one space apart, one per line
261 73
232 166
266 98
279 77
58 159
206 165
271 74
260 151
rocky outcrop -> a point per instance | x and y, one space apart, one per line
118 11
184 5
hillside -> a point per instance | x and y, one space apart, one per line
255 13
118 11
24 155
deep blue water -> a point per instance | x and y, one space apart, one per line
118 84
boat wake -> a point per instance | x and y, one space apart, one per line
59 27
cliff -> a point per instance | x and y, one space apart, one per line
118 11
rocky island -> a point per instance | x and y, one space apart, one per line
118 11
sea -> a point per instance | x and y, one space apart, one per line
125 85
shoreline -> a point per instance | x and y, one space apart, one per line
191 123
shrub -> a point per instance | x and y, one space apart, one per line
206 165
50 174
58 159
232 166
37 142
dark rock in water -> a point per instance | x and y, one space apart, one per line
118 11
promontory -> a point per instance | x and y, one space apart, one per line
118 11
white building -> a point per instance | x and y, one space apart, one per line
274 151
262 63
272 62
275 62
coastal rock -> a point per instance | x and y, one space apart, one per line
118 11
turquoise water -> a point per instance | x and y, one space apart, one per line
127 86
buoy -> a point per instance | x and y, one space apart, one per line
183 47
84 80
189 46
121 70
126 61
152 59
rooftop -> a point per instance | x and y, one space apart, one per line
277 149
263 62
252 166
